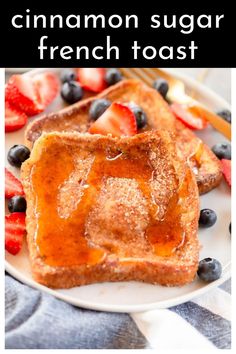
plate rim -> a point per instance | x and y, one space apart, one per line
117 308
143 307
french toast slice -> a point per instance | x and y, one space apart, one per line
204 163
110 209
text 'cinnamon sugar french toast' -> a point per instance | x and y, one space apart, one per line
110 209
204 163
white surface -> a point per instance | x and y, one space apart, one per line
166 330
17 70
135 296
217 79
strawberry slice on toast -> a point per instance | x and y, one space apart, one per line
117 120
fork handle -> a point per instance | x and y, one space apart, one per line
217 122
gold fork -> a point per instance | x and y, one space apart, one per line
176 93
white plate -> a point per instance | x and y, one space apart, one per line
17 70
136 296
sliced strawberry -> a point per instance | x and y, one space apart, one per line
12 185
188 117
92 79
14 232
226 168
21 92
117 120
15 119
47 85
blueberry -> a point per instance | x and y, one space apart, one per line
222 150
207 218
230 227
209 269
17 204
17 155
68 75
98 107
71 92
140 115
161 86
113 76
225 114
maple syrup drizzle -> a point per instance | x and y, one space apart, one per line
196 156
62 241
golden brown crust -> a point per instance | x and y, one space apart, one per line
75 118
177 269
208 169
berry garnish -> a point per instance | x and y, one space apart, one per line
15 119
17 155
207 218
68 75
209 269
98 107
92 79
112 76
140 115
117 120
71 92
222 150
189 119
12 185
225 114
21 92
17 204
14 232
161 86
226 169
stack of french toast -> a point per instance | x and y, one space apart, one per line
108 206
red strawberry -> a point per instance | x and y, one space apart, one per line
187 117
12 185
47 86
14 118
14 232
21 92
226 168
92 79
117 120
